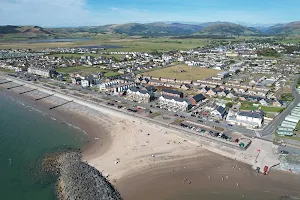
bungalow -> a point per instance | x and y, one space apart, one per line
219 112
204 90
212 92
278 103
263 102
223 93
230 95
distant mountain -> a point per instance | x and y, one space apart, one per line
28 30
157 29
230 29
292 28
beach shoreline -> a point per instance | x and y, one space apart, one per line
133 150
87 126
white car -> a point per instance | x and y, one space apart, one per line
220 135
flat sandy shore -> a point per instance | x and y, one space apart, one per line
146 161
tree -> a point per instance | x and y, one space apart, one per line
229 105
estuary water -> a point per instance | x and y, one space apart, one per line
26 134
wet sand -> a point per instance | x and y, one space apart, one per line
208 177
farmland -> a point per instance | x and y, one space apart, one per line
183 72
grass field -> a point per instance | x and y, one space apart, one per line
189 73
157 44
128 44
86 70
78 55
6 70
271 109
249 106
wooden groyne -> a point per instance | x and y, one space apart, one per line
5 82
44 97
60 105
27 91
14 87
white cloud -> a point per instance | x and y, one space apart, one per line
47 13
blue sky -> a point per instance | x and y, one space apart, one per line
99 12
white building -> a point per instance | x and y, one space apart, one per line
141 96
174 104
107 85
85 83
250 119
40 72
219 112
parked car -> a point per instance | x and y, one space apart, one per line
229 124
225 137
215 134
220 135
284 152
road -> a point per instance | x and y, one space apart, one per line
271 127
267 130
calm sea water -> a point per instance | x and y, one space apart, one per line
26 134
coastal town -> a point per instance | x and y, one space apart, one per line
230 95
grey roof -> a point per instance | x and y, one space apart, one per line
173 91
257 115
198 97
221 110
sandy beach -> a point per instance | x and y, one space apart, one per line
147 161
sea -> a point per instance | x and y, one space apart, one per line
26 135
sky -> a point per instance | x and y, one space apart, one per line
68 13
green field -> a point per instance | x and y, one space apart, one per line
128 43
71 55
271 109
246 105
86 70
249 106
78 55
183 72
111 73
6 70
157 44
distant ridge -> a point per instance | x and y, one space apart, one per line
34 30
158 29
292 28
230 29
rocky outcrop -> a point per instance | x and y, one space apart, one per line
78 180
